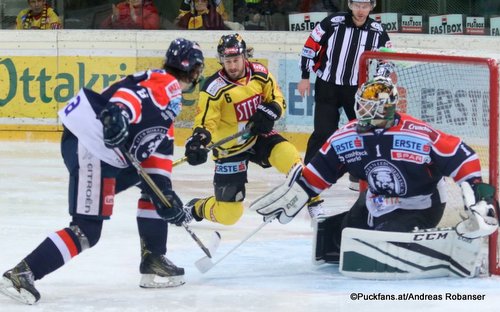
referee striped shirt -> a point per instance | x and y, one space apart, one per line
335 45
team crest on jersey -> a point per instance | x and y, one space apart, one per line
215 86
147 141
420 128
231 167
385 179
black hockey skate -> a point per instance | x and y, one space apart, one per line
159 272
19 284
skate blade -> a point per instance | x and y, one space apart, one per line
23 296
156 281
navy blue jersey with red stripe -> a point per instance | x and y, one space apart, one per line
406 160
152 100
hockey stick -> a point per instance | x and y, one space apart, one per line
165 201
223 141
205 264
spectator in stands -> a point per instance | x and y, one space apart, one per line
264 14
38 16
133 14
278 11
318 6
202 14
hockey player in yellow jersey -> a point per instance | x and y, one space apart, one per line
241 94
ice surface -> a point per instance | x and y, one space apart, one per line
270 272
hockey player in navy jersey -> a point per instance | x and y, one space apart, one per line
135 114
402 159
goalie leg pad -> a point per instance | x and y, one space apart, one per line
276 193
429 253
326 239
283 202
287 207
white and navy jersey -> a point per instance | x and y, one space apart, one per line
402 165
152 100
334 47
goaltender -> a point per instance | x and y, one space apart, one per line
404 161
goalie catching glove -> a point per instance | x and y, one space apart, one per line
479 208
285 201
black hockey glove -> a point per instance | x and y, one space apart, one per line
196 152
115 123
262 121
175 214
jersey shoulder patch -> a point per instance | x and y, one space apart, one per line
413 125
259 68
214 84
337 19
162 87
376 26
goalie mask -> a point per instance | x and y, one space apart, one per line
376 104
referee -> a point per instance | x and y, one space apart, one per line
332 52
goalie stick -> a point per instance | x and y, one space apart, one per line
223 141
205 264
216 237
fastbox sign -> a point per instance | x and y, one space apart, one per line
305 21
449 24
412 24
474 25
495 26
